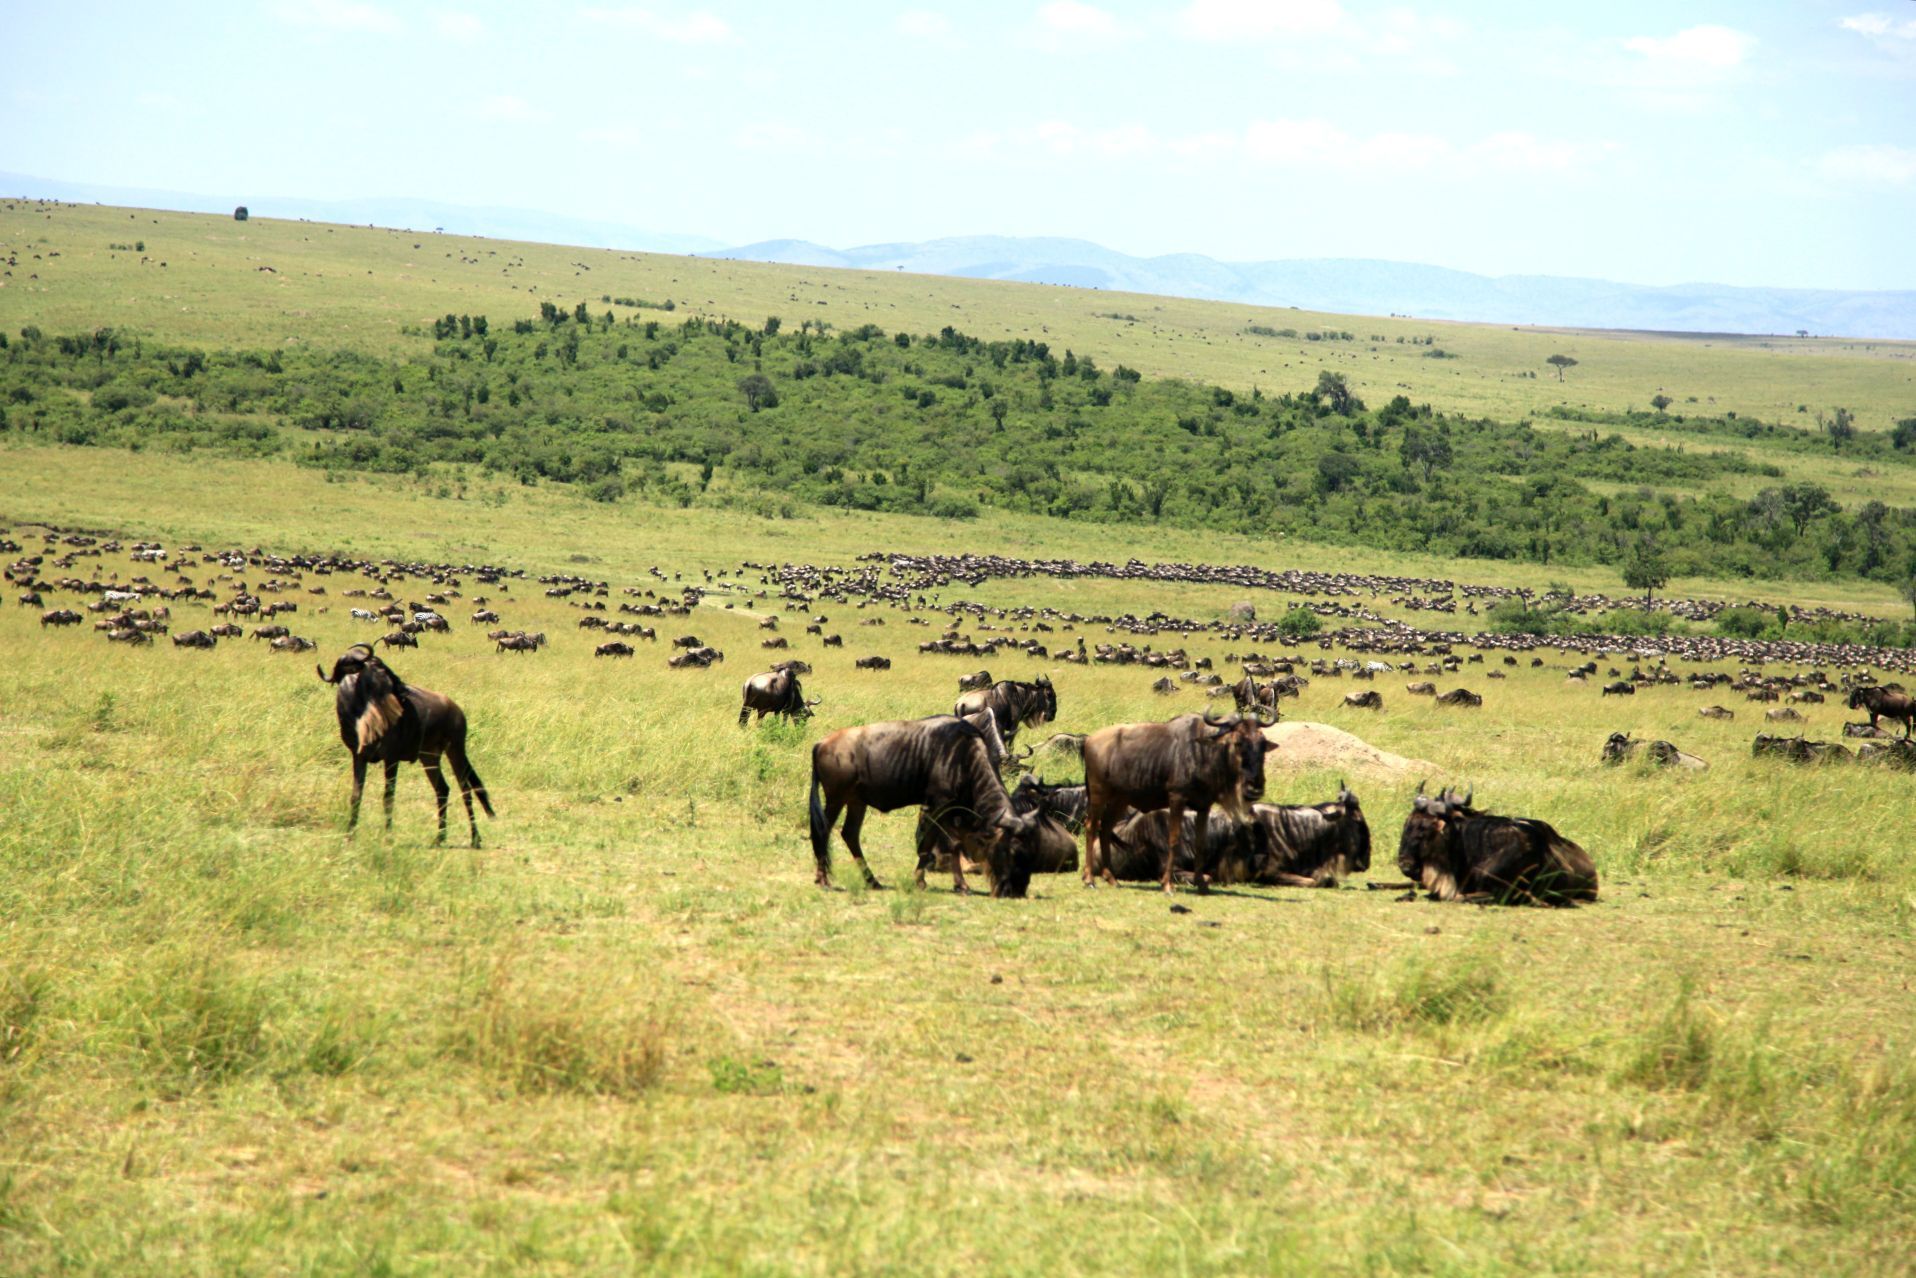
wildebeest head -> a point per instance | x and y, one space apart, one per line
1424 849
1246 745
1045 706
368 700
1355 849
1618 747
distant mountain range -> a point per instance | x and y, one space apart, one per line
1353 286
1366 286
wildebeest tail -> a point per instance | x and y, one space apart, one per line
815 814
469 777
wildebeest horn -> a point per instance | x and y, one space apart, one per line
1213 722
812 701
1029 751
1469 795
321 672
1263 710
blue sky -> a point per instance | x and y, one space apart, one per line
1746 143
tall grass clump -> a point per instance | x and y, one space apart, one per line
543 1038
23 993
1416 992
194 1020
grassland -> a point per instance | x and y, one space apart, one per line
628 1033
265 282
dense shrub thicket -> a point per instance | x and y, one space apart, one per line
942 424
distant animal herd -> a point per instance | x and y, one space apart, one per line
1173 802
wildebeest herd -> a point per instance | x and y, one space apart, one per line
1165 802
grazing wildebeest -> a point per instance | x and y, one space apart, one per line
1421 689
974 682
194 639
1460 697
1455 853
613 649
1621 688
780 642
399 639
60 617
1282 845
775 692
1368 699
688 641
1886 703
519 643
1717 712
1013 704
1165 687
937 764
385 719
1189 763
1621 746
270 632
873 663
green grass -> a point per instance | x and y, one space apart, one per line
369 288
628 1033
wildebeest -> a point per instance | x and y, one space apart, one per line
1070 743
1455 853
194 639
1895 751
293 643
696 658
1717 712
873 663
1866 731
1798 750
937 764
1421 689
1060 813
1165 687
520 643
974 682
1886 703
1368 699
1620 688
399 639
1013 704
1190 763
270 632
775 692
1621 746
613 649
60 617
1250 694
1783 714
383 718
1282 845
1460 697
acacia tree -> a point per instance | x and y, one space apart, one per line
1646 569
758 391
1334 390
1561 362
1661 402
1841 426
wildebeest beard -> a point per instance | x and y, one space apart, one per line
372 696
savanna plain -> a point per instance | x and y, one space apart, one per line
628 1032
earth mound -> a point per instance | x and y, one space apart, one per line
1319 745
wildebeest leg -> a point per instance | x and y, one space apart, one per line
854 821
1200 855
827 817
1173 835
1097 842
392 784
931 836
440 790
359 787
744 712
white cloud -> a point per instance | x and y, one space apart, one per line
336 15
1706 47
464 27
1073 18
1880 26
922 24
1872 164
696 27
1222 20
508 108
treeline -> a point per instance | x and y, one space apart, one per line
946 424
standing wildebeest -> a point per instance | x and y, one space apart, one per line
194 639
1621 688
938 764
1460 697
60 617
1251 694
1013 705
1189 763
613 649
1888 703
1458 853
382 718
873 663
1306 845
775 692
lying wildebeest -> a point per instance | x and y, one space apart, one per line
1717 712
1421 689
1250 694
1798 750
1060 813
873 663
1895 751
688 641
1013 704
1886 703
1456 853
293 643
1867 731
1282 845
1783 714
937 764
1460 697
194 639
780 642
697 658
775 692
1165 687
385 719
1069 743
1368 699
974 682
1191 763
1620 688
1664 754
613 649
794 665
